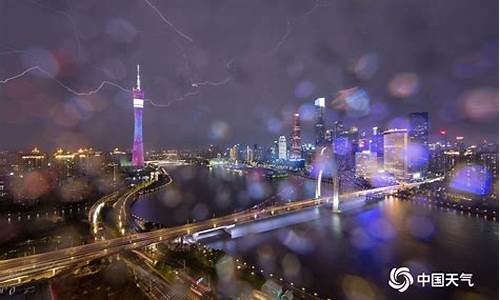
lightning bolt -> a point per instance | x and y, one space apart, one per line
285 36
160 14
71 20
60 83
13 51
292 21
212 83
181 98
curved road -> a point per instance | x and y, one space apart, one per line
19 270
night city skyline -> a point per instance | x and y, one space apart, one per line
222 87
249 149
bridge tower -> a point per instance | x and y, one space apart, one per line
335 198
335 177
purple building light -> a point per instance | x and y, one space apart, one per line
137 150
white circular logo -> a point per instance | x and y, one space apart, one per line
403 274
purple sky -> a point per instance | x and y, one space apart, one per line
234 70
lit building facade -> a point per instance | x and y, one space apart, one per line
138 148
282 149
249 154
366 164
234 152
34 160
295 149
319 127
419 142
395 152
377 142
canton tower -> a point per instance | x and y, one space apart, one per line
137 150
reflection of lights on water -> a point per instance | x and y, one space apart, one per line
421 227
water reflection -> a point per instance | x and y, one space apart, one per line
350 255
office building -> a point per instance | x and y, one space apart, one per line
395 152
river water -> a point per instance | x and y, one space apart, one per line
346 256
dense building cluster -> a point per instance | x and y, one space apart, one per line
387 154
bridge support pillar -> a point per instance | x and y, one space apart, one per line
318 185
335 198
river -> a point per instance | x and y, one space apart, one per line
341 256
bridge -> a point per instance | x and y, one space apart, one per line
24 269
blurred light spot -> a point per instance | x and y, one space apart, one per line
219 130
381 229
361 240
398 123
304 89
42 58
294 70
480 105
297 243
474 179
420 227
354 101
225 269
379 111
274 125
290 265
417 155
307 112
357 288
172 197
403 85
200 211
366 66
121 30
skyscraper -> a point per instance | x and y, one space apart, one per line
419 142
395 156
366 164
249 154
319 127
282 148
363 142
234 152
138 150
295 152
377 142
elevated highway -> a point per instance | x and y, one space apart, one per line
20 270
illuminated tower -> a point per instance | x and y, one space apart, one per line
138 151
319 127
295 151
282 148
